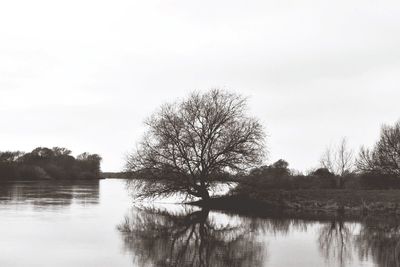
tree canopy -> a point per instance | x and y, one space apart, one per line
48 163
189 143
384 157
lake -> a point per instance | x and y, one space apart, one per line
97 223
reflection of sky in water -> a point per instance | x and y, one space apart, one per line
54 223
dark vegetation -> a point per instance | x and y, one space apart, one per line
119 175
46 163
270 178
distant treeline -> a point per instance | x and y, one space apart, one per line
46 163
373 168
279 176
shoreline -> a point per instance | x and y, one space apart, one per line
326 203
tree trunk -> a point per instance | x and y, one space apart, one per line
340 182
204 194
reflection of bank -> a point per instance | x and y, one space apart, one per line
376 239
190 238
380 240
50 194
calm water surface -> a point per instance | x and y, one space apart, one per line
96 223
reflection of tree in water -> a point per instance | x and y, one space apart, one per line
161 238
381 241
335 240
377 239
198 238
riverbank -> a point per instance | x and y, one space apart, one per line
322 202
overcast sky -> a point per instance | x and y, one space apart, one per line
85 74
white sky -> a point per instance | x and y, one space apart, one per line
85 74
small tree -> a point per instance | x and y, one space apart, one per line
191 142
322 172
275 170
339 160
90 163
384 158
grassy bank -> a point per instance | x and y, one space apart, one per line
328 202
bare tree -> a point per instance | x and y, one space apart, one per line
190 143
384 158
338 160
